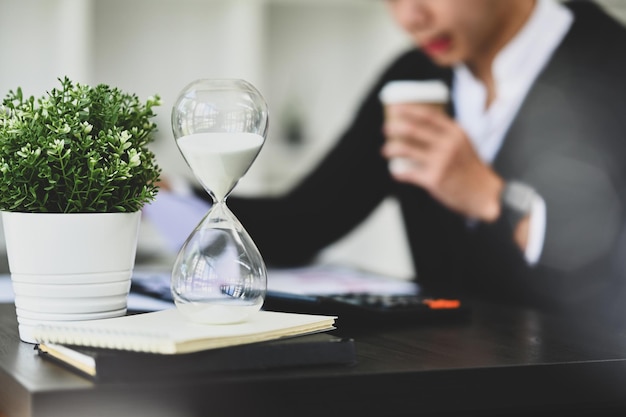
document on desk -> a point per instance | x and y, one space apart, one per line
333 279
308 280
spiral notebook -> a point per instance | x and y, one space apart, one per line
169 332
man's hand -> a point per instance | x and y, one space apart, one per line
443 161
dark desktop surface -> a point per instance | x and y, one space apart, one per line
499 361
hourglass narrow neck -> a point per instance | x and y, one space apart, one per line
220 216
220 209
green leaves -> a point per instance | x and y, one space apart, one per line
77 149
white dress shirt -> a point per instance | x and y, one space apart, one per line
515 68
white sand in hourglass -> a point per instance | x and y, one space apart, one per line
219 160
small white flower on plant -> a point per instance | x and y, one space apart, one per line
56 146
124 137
154 101
87 127
24 151
65 129
134 158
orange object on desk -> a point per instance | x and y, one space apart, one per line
442 303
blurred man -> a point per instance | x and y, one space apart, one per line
518 192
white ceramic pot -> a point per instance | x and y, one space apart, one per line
69 266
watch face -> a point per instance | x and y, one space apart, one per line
518 196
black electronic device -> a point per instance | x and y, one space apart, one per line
355 307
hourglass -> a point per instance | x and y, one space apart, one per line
219 275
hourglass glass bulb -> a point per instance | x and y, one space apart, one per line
219 127
219 275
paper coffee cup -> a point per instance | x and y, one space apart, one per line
426 92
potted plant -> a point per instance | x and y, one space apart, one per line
75 171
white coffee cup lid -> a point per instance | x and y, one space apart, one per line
411 91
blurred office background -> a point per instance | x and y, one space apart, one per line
311 59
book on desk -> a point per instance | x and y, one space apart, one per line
166 343
110 365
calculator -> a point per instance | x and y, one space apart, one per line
354 307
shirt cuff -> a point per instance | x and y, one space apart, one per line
536 231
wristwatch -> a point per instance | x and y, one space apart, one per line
516 201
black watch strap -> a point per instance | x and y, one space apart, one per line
516 202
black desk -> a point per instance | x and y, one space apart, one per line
503 361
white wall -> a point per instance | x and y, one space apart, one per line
41 40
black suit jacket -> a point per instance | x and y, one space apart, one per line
568 141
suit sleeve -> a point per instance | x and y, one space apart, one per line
568 143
